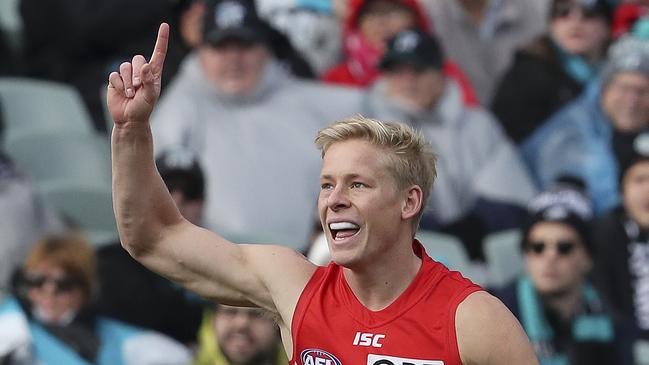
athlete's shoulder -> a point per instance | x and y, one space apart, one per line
488 333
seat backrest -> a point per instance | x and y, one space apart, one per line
445 248
502 250
33 106
89 208
52 156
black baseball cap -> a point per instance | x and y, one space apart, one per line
233 20
182 172
565 202
413 48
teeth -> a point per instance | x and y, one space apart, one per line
343 225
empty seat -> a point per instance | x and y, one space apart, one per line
89 208
502 250
33 106
46 157
445 248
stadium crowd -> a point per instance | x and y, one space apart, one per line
537 111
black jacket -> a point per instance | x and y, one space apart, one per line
535 86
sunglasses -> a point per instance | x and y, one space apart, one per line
63 284
563 9
564 248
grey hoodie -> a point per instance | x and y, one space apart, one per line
257 151
474 158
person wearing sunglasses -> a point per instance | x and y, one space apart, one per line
51 317
553 69
559 309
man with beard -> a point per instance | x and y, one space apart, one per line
239 336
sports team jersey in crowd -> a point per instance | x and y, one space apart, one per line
331 327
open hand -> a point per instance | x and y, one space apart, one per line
134 90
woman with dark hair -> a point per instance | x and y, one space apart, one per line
553 69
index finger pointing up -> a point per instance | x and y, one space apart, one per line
160 49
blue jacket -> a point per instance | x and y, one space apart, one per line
24 339
577 141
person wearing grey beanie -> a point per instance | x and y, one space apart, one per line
587 138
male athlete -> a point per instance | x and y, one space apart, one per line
382 302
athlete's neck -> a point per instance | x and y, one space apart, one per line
379 283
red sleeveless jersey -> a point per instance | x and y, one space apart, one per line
331 327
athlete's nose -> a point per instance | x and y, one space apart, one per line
338 199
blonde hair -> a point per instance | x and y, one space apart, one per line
410 157
72 253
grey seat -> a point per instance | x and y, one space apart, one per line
88 208
445 248
503 254
36 106
52 156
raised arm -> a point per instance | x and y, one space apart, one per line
154 232
489 334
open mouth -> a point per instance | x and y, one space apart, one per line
342 230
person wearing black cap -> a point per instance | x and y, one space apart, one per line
622 239
235 106
482 185
552 70
184 178
559 309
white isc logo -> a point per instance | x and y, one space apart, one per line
368 339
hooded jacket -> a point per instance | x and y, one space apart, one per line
359 67
475 160
260 163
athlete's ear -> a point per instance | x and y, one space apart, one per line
412 203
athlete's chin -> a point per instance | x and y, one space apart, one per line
344 259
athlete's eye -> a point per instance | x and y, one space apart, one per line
358 185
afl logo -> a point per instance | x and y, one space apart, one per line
318 357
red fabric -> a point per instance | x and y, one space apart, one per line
452 70
359 68
356 5
342 75
329 323
625 16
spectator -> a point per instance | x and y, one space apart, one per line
250 123
51 319
368 28
482 184
134 294
552 70
585 138
482 35
621 237
559 309
239 336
